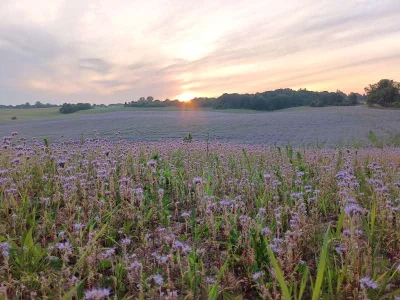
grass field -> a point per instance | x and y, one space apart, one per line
317 127
171 220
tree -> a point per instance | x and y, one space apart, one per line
353 98
386 92
68 108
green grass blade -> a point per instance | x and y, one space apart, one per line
321 266
279 274
303 283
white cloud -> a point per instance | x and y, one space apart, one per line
69 50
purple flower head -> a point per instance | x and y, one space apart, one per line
266 231
262 211
352 208
151 163
107 254
125 242
5 249
267 176
134 266
185 215
78 226
197 180
210 280
158 279
340 249
257 275
368 283
97 293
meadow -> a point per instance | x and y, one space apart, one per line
108 218
312 127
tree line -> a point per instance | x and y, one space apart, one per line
68 108
37 104
270 100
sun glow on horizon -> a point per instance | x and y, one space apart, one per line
186 96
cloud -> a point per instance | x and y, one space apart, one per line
117 51
95 64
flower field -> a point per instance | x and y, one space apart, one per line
100 218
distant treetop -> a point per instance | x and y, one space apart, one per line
386 93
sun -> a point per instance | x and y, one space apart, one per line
187 96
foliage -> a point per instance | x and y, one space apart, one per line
150 102
280 99
386 92
168 220
68 108
270 100
37 104
188 138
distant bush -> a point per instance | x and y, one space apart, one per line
13 118
188 138
386 92
68 108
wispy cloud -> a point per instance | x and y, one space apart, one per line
109 51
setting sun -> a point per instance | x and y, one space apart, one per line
187 96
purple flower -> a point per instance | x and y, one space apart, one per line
197 180
78 226
265 231
5 248
185 215
158 279
107 254
210 280
151 163
134 266
64 246
368 283
97 293
257 275
340 249
352 207
125 242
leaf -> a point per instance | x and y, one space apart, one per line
70 294
149 214
28 240
89 248
373 216
213 293
321 266
279 274
303 283
340 223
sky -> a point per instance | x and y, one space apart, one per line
109 51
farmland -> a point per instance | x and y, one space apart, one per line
171 220
313 127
